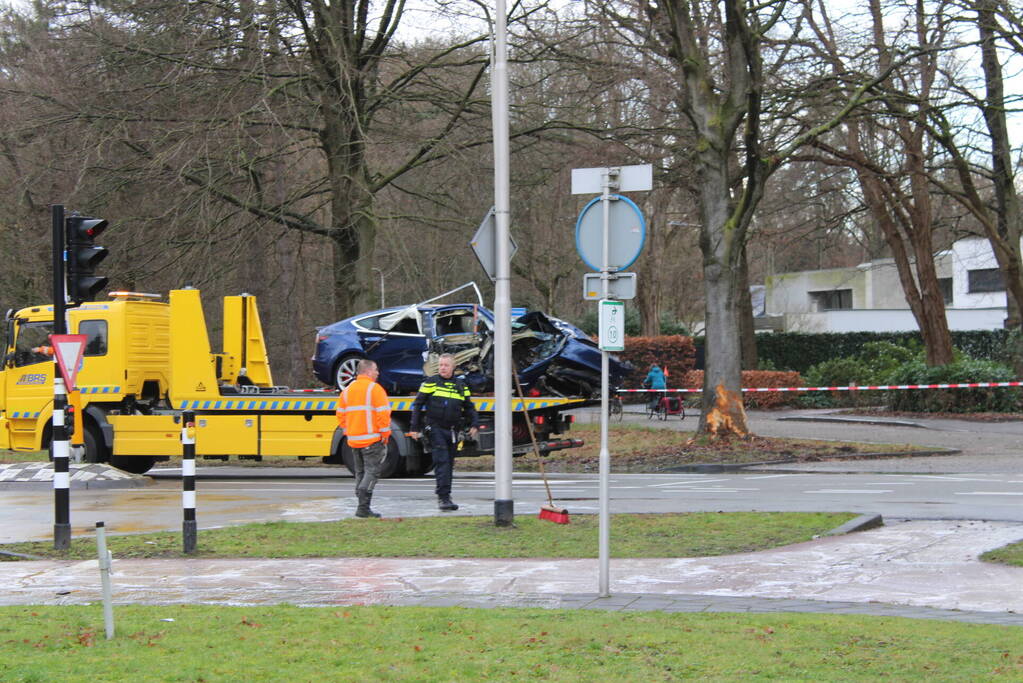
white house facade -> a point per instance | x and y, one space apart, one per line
869 297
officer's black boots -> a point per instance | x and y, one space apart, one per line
444 503
364 499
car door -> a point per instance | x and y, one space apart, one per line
396 342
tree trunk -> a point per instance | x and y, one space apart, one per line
747 328
723 413
353 220
1009 226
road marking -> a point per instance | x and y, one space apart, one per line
988 493
686 483
774 476
718 489
849 491
947 477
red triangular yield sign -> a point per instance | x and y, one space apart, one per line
69 349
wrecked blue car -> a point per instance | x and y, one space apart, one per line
552 357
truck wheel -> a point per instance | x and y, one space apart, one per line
133 463
95 450
346 371
418 465
393 465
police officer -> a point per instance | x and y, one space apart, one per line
445 401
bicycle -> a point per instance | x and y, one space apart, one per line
615 409
665 406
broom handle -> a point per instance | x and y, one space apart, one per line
532 438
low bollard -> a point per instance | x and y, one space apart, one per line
104 575
188 528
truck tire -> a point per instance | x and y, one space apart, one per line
95 451
393 465
136 464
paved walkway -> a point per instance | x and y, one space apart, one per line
918 569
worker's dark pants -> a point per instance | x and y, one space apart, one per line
367 465
442 448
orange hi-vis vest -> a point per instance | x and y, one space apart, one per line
364 412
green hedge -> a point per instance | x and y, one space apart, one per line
799 351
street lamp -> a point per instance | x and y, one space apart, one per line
381 286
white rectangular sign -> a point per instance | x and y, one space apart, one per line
612 325
621 286
638 178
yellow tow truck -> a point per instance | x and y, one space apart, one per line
146 360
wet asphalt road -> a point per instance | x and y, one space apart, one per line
984 482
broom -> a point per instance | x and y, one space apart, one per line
550 512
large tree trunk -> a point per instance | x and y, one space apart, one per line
723 413
353 220
1009 222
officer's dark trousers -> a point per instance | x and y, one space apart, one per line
443 462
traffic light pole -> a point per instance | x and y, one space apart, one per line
60 446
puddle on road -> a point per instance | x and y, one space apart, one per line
318 510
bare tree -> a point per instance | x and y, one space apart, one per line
221 99
988 191
888 148
717 50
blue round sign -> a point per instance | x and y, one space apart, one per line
626 233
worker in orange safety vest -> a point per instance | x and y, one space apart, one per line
364 413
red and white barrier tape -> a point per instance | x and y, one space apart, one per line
854 387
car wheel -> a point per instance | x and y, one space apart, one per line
346 371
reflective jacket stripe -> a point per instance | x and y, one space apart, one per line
364 423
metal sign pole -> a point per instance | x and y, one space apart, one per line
626 220
605 455
504 510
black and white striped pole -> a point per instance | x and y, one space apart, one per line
60 446
188 529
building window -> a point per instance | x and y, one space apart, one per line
986 280
831 300
945 287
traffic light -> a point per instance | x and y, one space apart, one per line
83 257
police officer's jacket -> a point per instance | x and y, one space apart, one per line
445 403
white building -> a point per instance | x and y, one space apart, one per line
869 297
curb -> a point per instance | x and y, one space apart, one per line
37 476
854 420
232 472
861 523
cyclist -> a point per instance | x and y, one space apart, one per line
655 380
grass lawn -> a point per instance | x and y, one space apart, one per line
23 456
1011 554
642 448
653 535
286 643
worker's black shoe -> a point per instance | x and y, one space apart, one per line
444 503
364 499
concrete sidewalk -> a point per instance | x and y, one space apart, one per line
918 569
